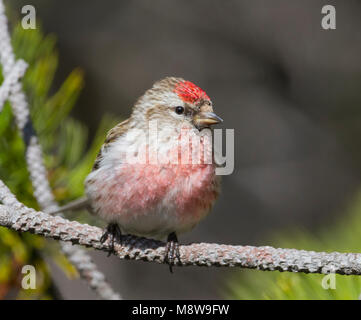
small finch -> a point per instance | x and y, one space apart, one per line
146 179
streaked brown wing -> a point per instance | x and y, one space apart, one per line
112 135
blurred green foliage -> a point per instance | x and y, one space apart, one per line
67 158
342 235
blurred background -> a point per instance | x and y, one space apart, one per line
290 90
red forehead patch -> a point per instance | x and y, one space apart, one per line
189 92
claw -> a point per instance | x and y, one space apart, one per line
172 251
112 231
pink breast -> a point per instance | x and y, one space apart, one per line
136 189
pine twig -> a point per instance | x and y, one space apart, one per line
11 89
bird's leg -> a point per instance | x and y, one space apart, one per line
112 231
172 250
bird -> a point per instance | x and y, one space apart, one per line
145 180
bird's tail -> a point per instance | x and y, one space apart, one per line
78 204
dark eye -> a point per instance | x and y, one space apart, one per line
179 110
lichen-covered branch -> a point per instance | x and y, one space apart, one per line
17 216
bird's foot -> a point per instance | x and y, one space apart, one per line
112 231
172 251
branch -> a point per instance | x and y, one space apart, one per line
10 81
17 216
